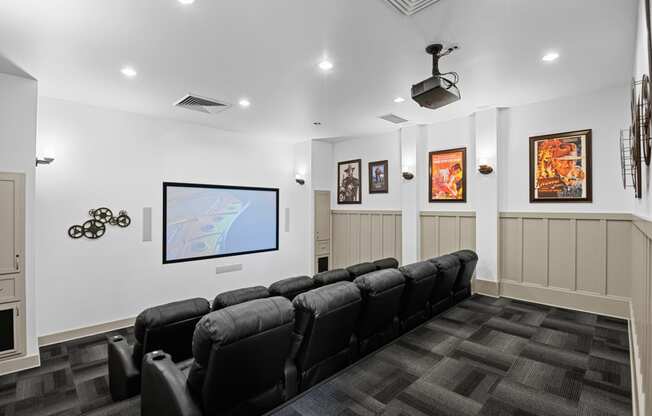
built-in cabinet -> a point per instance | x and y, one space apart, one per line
322 231
12 264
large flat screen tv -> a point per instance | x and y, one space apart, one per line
209 221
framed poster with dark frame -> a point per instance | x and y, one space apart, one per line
349 185
447 173
560 167
378 178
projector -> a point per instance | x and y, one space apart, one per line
440 89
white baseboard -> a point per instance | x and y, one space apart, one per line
485 287
87 331
638 394
20 363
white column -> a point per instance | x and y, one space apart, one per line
411 138
486 189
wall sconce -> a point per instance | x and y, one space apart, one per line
299 179
408 176
485 169
44 161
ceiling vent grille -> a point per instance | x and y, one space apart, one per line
202 104
393 118
410 7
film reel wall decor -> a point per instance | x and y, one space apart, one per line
95 227
636 142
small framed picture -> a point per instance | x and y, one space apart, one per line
378 177
560 167
349 187
447 175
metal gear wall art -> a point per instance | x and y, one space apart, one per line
96 226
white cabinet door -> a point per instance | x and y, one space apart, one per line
322 215
12 224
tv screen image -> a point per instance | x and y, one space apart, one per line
209 221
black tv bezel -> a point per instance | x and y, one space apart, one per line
208 186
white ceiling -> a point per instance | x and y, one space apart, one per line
268 51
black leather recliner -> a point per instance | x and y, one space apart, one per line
168 327
331 276
323 332
237 296
358 270
240 365
378 323
291 287
419 281
386 263
448 266
462 287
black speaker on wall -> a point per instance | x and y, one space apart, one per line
322 264
7 342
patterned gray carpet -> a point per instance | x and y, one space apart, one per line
484 357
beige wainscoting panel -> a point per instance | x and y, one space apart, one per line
577 258
443 232
360 236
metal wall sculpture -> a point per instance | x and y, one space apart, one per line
96 226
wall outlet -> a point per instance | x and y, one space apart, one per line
228 268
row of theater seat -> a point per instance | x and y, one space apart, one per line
257 349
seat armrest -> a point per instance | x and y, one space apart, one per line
124 375
291 379
164 391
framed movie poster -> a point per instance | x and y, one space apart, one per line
448 175
378 177
560 167
349 187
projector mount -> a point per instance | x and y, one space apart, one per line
437 51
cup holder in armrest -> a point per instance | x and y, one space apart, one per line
158 355
117 338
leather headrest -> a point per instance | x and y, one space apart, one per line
466 256
331 276
169 313
419 271
379 281
324 299
292 286
237 322
386 263
360 269
446 262
234 297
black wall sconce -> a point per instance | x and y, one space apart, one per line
299 179
44 161
408 176
485 169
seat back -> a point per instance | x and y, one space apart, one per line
358 270
448 266
419 281
386 263
325 319
291 287
331 276
468 260
240 353
168 327
381 293
234 297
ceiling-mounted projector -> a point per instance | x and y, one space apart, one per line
440 89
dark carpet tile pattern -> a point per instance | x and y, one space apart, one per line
484 357
487 357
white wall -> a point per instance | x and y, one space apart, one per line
370 149
119 160
605 112
17 154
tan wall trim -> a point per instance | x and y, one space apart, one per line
447 213
569 215
365 211
635 364
585 302
87 331
19 364
486 287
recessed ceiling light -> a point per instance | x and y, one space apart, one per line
128 72
326 65
244 103
398 100
186 1
550 56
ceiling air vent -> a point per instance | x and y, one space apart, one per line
393 118
202 104
410 7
